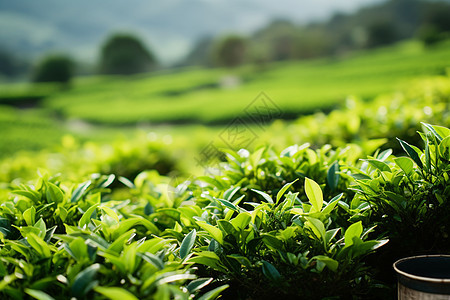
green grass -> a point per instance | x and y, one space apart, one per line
296 87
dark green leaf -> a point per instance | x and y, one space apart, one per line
411 152
333 176
84 281
187 244
270 271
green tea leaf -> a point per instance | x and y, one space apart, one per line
265 196
411 152
213 294
270 271
333 176
32 195
439 132
110 213
198 284
380 165
54 193
283 190
79 191
354 230
318 228
215 232
242 220
228 194
229 205
405 163
38 244
187 244
272 241
84 281
86 218
40 295
329 262
314 194
115 293
29 216
332 204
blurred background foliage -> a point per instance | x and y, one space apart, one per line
333 72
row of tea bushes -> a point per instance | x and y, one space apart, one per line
125 158
372 123
301 223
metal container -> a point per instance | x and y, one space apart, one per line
423 277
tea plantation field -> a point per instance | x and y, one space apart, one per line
125 194
100 108
315 208
296 87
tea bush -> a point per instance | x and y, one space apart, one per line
373 124
305 221
409 196
61 241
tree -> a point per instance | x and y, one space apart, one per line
231 51
125 54
55 68
12 65
381 33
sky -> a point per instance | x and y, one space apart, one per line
168 27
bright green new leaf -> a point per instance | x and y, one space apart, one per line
32 195
439 132
242 220
38 244
332 204
265 196
380 165
115 293
283 190
130 257
187 244
405 163
79 191
318 228
86 218
228 194
110 213
118 244
29 216
213 294
62 213
54 193
354 230
314 194
329 262
39 295
215 232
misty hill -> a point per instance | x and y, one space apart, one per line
169 27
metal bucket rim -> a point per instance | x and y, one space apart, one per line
421 278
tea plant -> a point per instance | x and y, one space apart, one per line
61 241
279 244
409 195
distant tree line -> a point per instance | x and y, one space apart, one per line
378 25
120 54
370 27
